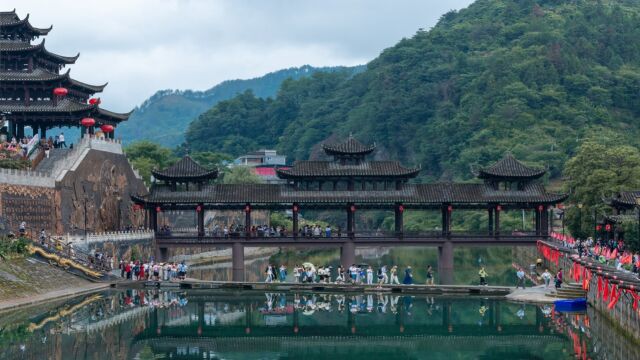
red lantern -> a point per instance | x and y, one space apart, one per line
449 208
94 101
198 208
598 227
247 208
106 128
88 122
540 208
158 209
498 208
352 208
295 208
401 208
60 91
607 227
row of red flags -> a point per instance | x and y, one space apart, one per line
581 274
563 237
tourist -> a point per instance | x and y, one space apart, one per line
316 231
546 276
394 275
408 276
47 149
559 278
156 272
166 276
429 275
22 229
369 275
385 277
43 237
122 267
283 273
327 231
269 274
483 276
61 141
353 272
340 278
520 278
296 273
128 267
381 277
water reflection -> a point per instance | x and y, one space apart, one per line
247 325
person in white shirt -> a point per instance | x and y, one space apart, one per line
61 141
369 275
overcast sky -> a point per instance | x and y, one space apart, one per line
141 46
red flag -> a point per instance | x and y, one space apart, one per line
605 294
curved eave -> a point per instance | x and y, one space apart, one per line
286 174
332 151
117 117
139 199
485 175
52 77
25 22
87 87
211 175
617 203
61 58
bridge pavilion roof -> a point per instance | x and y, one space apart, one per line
510 168
623 199
351 146
185 170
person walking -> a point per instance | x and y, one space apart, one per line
394 275
408 276
429 275
296 273
381 272
369 275
546 276
520 278
559 276
61 141
483 276
269 274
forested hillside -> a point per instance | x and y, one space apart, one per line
532 77
164 117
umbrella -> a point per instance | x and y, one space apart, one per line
308 265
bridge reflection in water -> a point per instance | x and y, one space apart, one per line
147 324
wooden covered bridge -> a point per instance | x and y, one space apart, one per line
350 182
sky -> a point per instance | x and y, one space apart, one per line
141 46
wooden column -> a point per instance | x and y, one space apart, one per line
446 220
538 227
544 221
496 228
20 131
295 211
490 211
247 219
399 221
153 219
43 132
200 220
351 220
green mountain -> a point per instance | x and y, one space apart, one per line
166 115
534 77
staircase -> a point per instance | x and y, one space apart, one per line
568 291
46 165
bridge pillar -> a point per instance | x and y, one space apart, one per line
348 253
200 219
237 255
490 211
445 263
399 223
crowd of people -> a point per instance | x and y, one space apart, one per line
608 252
354 274
147 271
19 147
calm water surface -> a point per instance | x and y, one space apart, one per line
155 324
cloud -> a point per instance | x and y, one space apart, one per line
140 46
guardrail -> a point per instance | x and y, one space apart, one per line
114 236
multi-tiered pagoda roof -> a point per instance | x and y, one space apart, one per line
29 73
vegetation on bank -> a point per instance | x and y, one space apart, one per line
11 247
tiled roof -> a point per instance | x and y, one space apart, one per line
624 199
335 169
351 146
65 106
418 194
114 115
186 168
510 167
11 19
35 75
19 46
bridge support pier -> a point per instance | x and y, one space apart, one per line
445 263
348 254
237 266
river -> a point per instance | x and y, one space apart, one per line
156 324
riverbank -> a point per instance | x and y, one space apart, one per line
26 281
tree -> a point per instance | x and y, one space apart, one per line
241 175
210 159
146 156
595 172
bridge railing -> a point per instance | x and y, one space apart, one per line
113 236
367 234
